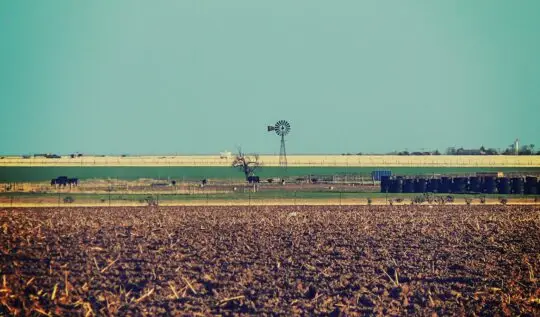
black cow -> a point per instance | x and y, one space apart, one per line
253 179
64 181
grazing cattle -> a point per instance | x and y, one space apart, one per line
64 181
253 179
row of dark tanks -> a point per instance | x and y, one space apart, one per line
461 185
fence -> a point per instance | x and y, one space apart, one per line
244 197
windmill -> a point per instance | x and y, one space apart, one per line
282 128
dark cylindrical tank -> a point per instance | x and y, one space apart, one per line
385 184
458 185
504 185
397 185
444 186
490 185
517 186
433 185
420 186
531 185
475 184
408 185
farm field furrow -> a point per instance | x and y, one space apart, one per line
387 260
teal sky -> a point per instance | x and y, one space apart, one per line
153 77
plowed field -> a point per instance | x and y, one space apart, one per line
355 260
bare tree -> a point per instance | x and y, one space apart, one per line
247 163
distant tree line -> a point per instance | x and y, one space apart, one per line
510 150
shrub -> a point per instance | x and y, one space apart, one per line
150 201
418 199
468 201
68 199
369 201
429 197
483 200
503 201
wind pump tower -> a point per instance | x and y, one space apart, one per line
282 128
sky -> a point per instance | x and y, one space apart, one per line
201 77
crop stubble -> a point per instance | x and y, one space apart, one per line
390 260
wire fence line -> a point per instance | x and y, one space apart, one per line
246 197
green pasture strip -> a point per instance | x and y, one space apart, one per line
179 173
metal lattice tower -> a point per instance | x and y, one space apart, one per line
283 153
281 128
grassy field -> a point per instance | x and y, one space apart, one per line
263 197
34 174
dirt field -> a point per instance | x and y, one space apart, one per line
386 260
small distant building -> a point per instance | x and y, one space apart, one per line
378 174
225 155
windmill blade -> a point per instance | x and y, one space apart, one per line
271 128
